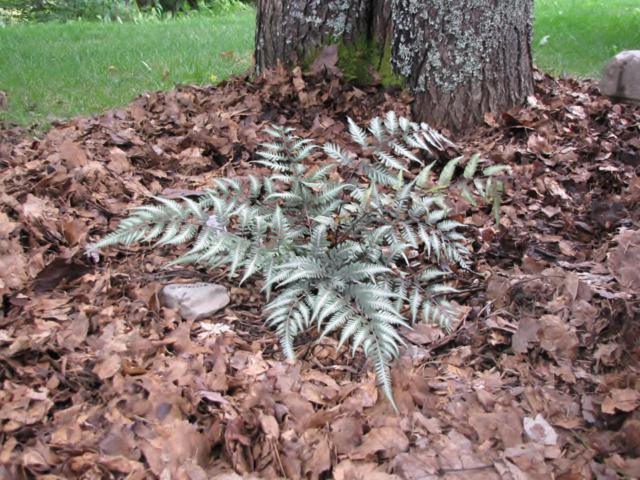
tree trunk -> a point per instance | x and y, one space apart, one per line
293 31
460 58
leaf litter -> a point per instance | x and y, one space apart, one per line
539 379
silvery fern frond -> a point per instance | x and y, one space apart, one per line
358 258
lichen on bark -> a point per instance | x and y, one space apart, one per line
448 43
463 58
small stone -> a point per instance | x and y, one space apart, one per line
621 77
195 301
539 430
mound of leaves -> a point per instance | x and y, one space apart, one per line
539 379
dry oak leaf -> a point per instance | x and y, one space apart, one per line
35 208
269 426
346 433
416 464
297 80
172 444
630 467
72 154
13 270
348 470
88 461
108 366
623 260
74 231
326 60
558 337
529 461
539 145
255 366
20 406
623 399
526 334
389 441
7 226
317 458
118 161
504 425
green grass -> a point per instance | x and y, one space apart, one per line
581 35
55 71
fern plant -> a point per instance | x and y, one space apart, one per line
359 257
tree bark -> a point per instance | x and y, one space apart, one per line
292 31
460 58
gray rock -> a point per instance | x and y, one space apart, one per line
195 300
621 77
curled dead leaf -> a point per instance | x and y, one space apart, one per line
385 441
623 399
269 426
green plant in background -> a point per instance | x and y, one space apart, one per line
350 247
578 37
65 10
12 11
53 71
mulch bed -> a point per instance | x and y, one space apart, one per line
541 379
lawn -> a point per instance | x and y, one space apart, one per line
55 71
52 71
577 37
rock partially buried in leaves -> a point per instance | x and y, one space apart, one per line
621 77
195 300
539 430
